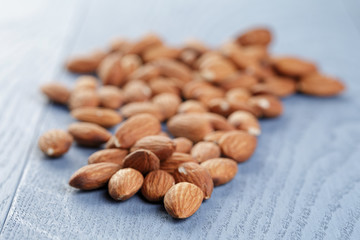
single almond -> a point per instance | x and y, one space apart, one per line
135 108
168 104
145 72
238 80
101 116
217 121
192 106
183 145
238 145
173 69
55 143
86 63
56 92
217 69
89 134
214 136
83 98
257 36
222 170
162 147
173 162
159 52
137 91
93 176
183 200
130 63
293 67
108 155
86 82
320 85
142 160
156 184
220 106
146 42
135 128
203 151
196 174
238 95
163 85
111 97
268 105
278 86
110 70
243 120
125 183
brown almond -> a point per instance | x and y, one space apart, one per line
214 136
120 45
159 52
86 82
86 63
111 97
196 174
216 70
268 105
293 67
217 121
168 104
163 85
93 176
183 145
108 155
146 42
83 98
243 120
257 36
320 85
238 95
278 86
130 63
183 200
135 128
238 80
142 160
173 69
238 145
203 151
222 170
101 116
220 106
89 134
110 70
156 184
56 92
192 106
162 147
125 183
55 143
145 72
135 108
190 126
173 162
137 91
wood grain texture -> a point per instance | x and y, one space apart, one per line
302 183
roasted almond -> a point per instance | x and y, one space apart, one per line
135 108
156 184
110 70
101 116
293 67
135 128
55 143
183 145
142 160
196 174
257 36
268 105
243 120
320 85
56 92
238 145
168 104
83 98
222 170
93 176
111 97
173 162
89 134
125 183
85 63
183 200
203 151
108 155
162 147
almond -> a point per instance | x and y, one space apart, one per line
222 170
173 162
168 103
293 67
135 108
217 69
183 145
257 36
320 85
108 155
142 160
159 52
192 106
85 64
86 82
120 45
163 85
83 98
156 184
183 200
130 63
190 126
162 147
203 151
238 80
269 105
214 136
93 176
220 106
243 120
278 86
110 70
111 97
217 121
55 143
56 92
238 95
101 116
89 134
125 183
238 145
137 91
173 69
146 42
135 128
196 174
145 73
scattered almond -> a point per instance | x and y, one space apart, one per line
89 134
243 120
85 64
108 155
293 67
156 184
173 162
183 145
142 160
111 97
101 116
135 108
203 151
162 147
55 143
56 92
83 98
125 183
320 85
222 170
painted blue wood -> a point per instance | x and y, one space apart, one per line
302 182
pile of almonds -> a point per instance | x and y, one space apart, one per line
210 99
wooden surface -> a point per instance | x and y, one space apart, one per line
302 183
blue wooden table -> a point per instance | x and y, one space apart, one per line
302 183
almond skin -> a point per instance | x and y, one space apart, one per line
257 36
222 170
135 128
125 183
320 85
101 116
56 92
134 108
86 63
238 145
190 126
142 160
55 143
293 67
163 85
137 91
196 174
183 145
159 52
89 134
192 106
278 86
218 122
183 200
203 151
108 155
86 82
93 176
268 105
214 136
156 184
173 69
146 42
168 104
83 98
163 147
173 162
111 97
110 70
243 120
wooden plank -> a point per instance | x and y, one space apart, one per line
302 182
